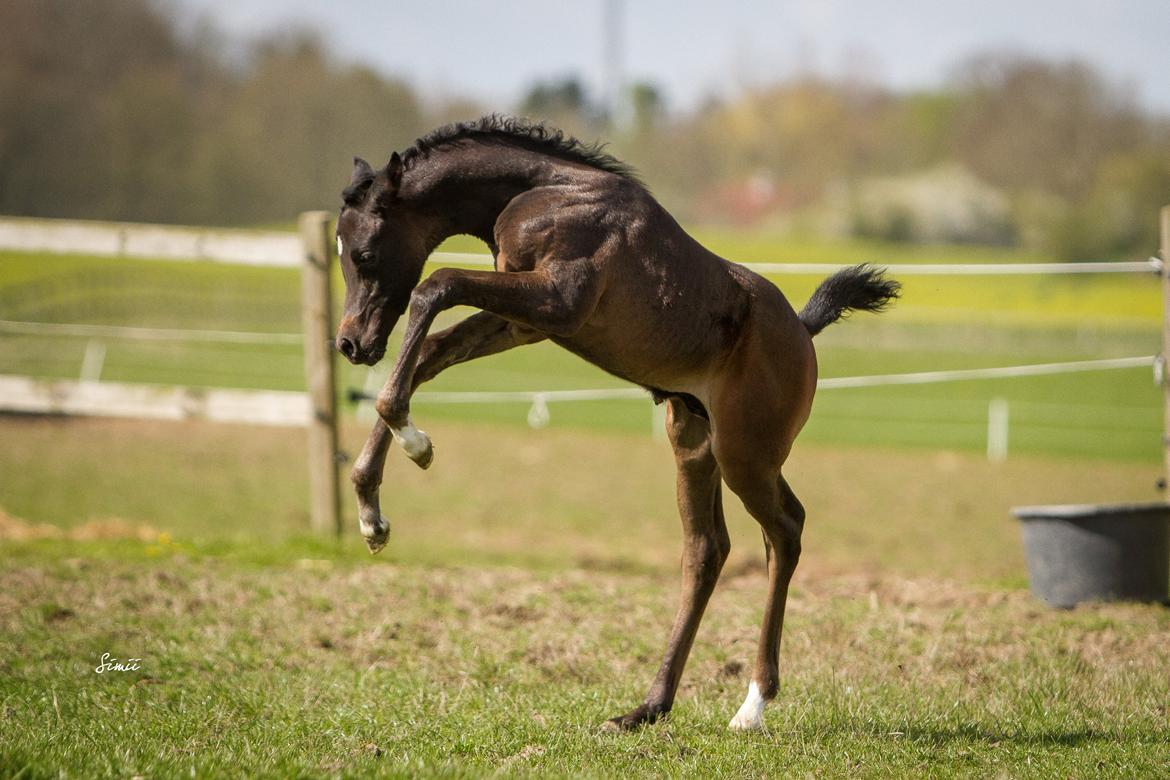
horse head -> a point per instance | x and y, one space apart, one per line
382 247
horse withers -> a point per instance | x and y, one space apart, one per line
586 258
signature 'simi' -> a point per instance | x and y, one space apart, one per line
114 665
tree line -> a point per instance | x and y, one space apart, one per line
112 109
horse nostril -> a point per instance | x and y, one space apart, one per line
346 347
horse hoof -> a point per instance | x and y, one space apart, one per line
377 537
750 716
739 723
416 444
634 719
425 457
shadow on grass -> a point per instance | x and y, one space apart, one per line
942 737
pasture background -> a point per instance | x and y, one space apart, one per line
530 578
942 322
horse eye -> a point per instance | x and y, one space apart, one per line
366 258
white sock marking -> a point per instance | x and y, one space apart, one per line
412 440
751 713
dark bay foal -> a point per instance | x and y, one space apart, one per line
585 257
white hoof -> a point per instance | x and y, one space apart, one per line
741 723
415 443
751 713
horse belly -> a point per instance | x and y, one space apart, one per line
668 348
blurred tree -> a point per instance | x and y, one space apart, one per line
565 103
1073 149
76 79
648 107
110 109
106 111
1026 123
555 97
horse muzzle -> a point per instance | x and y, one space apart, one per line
357 354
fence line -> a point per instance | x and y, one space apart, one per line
312 250
271 248
152 402
1002 372
833 383
291 408
146 334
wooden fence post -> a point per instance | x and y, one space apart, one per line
317 317
1165 357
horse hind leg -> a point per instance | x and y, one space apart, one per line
772 503
705 548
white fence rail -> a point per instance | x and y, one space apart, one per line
272 248
165 242
151 402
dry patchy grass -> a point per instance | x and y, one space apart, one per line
525 598
549 499
329 668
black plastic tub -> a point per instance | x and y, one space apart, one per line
1090 552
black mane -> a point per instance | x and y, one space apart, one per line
523 132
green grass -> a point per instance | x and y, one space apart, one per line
546 500
384 670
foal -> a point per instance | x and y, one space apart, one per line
587 258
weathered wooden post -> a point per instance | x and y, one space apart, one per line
316 315
1165 357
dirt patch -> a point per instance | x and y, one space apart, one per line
17 530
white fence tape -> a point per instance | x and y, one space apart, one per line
1002 372
146 334
832 383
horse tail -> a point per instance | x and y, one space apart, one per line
862 287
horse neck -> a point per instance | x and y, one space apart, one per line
466 187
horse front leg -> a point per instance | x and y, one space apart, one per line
477 336
367 478
548 302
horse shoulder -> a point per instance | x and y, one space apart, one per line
563 222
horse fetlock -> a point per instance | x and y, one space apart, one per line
415 443
394 412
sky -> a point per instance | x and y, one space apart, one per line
492 51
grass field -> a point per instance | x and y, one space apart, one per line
532 575
525 598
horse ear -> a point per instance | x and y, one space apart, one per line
394 171
361 171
